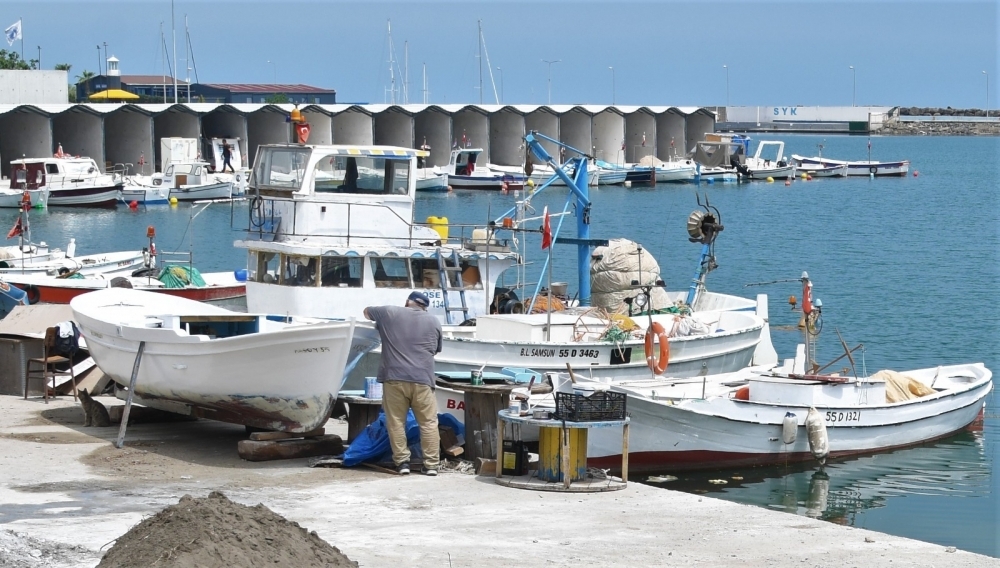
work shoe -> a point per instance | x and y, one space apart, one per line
403 469
428 471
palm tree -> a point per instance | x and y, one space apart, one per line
63 67
84 75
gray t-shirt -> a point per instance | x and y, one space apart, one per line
410 338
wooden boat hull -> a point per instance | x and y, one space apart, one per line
284 379
721 432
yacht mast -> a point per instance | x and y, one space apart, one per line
163 62
480 57
406 72
173 33
392 76
187 56
425 83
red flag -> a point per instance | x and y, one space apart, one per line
546 230
17 229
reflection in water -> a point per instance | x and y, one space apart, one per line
842 491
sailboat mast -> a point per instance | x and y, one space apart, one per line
163 62
425 83
392 76
406 72
480 47
173 33
187 56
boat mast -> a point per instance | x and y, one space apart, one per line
406 72
163 63
392 76
173 33
425 83
479 45
187 56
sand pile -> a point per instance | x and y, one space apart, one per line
214 532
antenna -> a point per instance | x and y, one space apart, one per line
164 63
392 76
425 83
489 67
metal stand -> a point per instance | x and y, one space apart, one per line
131 392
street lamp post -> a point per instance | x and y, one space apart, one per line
987 94
550 62
854 95
274 69
612 85
501 84
99 59
40 66
726 67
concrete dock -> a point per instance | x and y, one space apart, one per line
67 493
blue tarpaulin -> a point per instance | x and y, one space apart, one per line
372 444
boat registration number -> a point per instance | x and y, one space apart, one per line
561 353
850 416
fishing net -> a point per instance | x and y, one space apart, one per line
180 276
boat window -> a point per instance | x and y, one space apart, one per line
197 171
81 167
362 174
281 168
390 272
342 271
22 176
268 266
52 168
300 271
39 177
427 274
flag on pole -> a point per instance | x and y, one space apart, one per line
13 32
546 230
643 138
16 230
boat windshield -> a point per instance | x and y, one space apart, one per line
362 174
281 168
79 167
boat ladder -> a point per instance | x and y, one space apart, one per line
444 275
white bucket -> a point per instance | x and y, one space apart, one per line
373 388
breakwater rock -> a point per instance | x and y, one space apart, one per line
940 127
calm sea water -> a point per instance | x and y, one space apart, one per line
908 267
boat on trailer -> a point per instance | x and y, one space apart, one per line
275 372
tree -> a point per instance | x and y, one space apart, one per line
63 67
84 75
12 60
277 99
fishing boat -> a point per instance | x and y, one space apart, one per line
776 418
431 181
816 170
702 333
542 173
324 243
767 162
611 174
274 372
858 167
791 413
70 181
192 181
465 172
218 288
20 198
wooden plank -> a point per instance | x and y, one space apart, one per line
252 450
266 436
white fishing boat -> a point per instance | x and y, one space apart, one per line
778 418
611 174
70 181
325 243
767 162
858 167
431 181
816 170
274 372
465 172
136 190
192 181
17 198
541 173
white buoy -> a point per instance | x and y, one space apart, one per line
789 428
819 443
628 184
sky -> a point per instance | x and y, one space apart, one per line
708 53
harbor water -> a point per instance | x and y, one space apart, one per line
908 267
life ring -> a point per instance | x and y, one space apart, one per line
657 364
34 295
873 169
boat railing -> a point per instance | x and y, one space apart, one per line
176 258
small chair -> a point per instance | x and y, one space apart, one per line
44 368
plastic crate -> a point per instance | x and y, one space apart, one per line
602 405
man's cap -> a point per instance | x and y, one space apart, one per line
419 298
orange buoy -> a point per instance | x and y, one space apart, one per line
915 173
657 364
133 204
743 393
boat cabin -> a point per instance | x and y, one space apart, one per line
181 174
463 161
34 173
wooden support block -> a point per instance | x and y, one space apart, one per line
448 437
253 450
486 466
266 436
377 467
453 451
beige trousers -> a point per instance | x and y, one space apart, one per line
397 398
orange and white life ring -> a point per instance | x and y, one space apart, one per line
657 364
